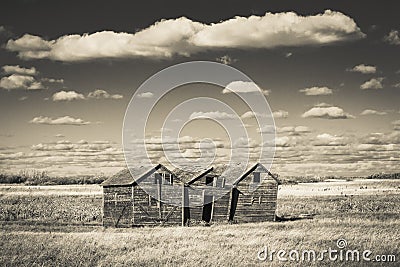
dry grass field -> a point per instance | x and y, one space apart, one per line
64 229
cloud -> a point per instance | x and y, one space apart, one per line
382 138
327 113
392 37
182 36
65 145
217 115
294 130
282 141
326 139
68 158
396 125
18 81
51 80
365 69
372 112
266 129
59 135
322 105
316 91
251 114
145 95
243 87
66 120
278 30
280 114
397 85
22 98
8 69
227 60
102 94
374 83
287 55
67 96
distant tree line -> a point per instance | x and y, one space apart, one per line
384 176
35 177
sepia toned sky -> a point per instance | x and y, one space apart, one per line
329 70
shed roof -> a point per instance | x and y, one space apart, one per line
257 166
130 176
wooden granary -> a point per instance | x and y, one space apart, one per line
158 196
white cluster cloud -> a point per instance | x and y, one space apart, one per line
145 95
67 158
182 36
9 69
396 85
365 69
18 81
374 83
327 112
217 115
326 139
372 112
23 78
72 95
382 138
243 87
251 114
266 129
52 80
102 94
294 130
227 60
280 114
66 120
316 91
67 96
283 141
393 37
65 145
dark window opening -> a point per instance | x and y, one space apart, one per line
209 180
256 177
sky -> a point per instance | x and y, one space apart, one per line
329 70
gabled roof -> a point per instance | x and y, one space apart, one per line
201 175
184 175
257 166
131 176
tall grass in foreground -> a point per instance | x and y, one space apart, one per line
219 245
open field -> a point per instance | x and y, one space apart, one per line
219 245
55 226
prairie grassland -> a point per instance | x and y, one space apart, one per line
60 230
218 245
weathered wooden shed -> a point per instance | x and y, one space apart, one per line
183 198
207 194
155 202
253 196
